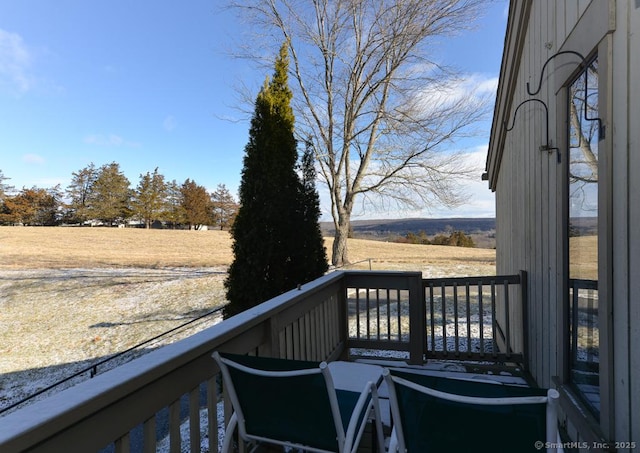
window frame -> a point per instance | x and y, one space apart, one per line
569 297
565 75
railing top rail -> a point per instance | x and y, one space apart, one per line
359 272
482 279
580 283
381 274
382 279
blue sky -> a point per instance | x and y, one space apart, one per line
150 84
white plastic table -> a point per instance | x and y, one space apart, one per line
354 376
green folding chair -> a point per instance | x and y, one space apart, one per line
294 403
435 414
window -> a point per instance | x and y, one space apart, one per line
582 178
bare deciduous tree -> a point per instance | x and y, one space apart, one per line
584 130
379 112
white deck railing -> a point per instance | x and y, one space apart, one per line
136 405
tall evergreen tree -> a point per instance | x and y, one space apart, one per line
79 194
224 207
196 204
110 194
266 231
4 188
175 213
313 255
150 200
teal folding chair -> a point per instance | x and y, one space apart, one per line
294 403
435 414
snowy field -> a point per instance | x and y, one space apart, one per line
56 322
68 301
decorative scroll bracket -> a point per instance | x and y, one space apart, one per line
584 64
547 145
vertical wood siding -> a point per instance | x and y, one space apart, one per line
625 213
633 301
530 188
526 196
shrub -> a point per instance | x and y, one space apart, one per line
456 238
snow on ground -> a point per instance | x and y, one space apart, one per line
57 322
162 281
384 316
163 445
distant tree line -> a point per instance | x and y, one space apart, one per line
104 195
455 238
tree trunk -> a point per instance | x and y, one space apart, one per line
339 256
585 143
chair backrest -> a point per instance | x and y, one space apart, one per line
433 414
284 401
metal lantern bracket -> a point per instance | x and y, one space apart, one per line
547 146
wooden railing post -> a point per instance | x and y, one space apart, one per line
417 320
343 318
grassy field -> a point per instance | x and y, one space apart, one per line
72 296
59 248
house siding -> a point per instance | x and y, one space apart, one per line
634 220
530 188
625 249
527 233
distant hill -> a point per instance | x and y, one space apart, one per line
482 230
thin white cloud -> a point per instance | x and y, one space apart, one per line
486 85
169 123
109 140
476 157
479 201
468 87
33 159
15 60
